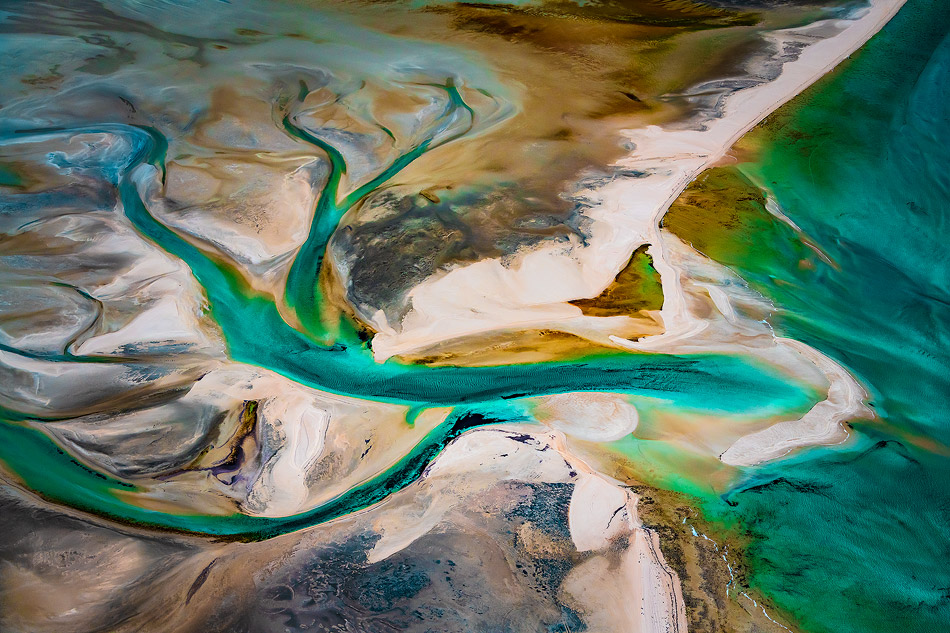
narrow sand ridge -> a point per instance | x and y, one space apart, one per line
532 292
821 425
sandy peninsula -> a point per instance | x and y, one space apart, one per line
533 290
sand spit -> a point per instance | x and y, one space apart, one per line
496 295
493 294
821 425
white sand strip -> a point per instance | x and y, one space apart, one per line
821 425
490 295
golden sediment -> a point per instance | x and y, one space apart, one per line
579 75
707 567
637 287
504 348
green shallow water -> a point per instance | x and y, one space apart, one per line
858 539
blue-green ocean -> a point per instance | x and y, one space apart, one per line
857 539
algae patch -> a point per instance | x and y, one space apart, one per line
637 287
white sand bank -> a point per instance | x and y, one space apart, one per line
491 295
821 425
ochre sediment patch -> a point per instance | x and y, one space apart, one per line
523 346
637 287
707 567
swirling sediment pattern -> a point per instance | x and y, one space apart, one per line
229 234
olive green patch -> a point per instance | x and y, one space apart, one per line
723 216
637 287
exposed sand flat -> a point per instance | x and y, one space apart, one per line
489 294
447 322
597 417
597 513
601 515
688 152
648 590
39 388
172 321
494 295
457 519
281 488
474 463
297 427
508 524
242 222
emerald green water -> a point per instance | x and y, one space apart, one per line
256 334
50 472
858 539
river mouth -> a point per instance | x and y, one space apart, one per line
296 265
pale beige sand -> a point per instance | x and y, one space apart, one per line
597 417
642 595
483 502
298 428
493 295
645 588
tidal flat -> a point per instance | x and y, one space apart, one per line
445 316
